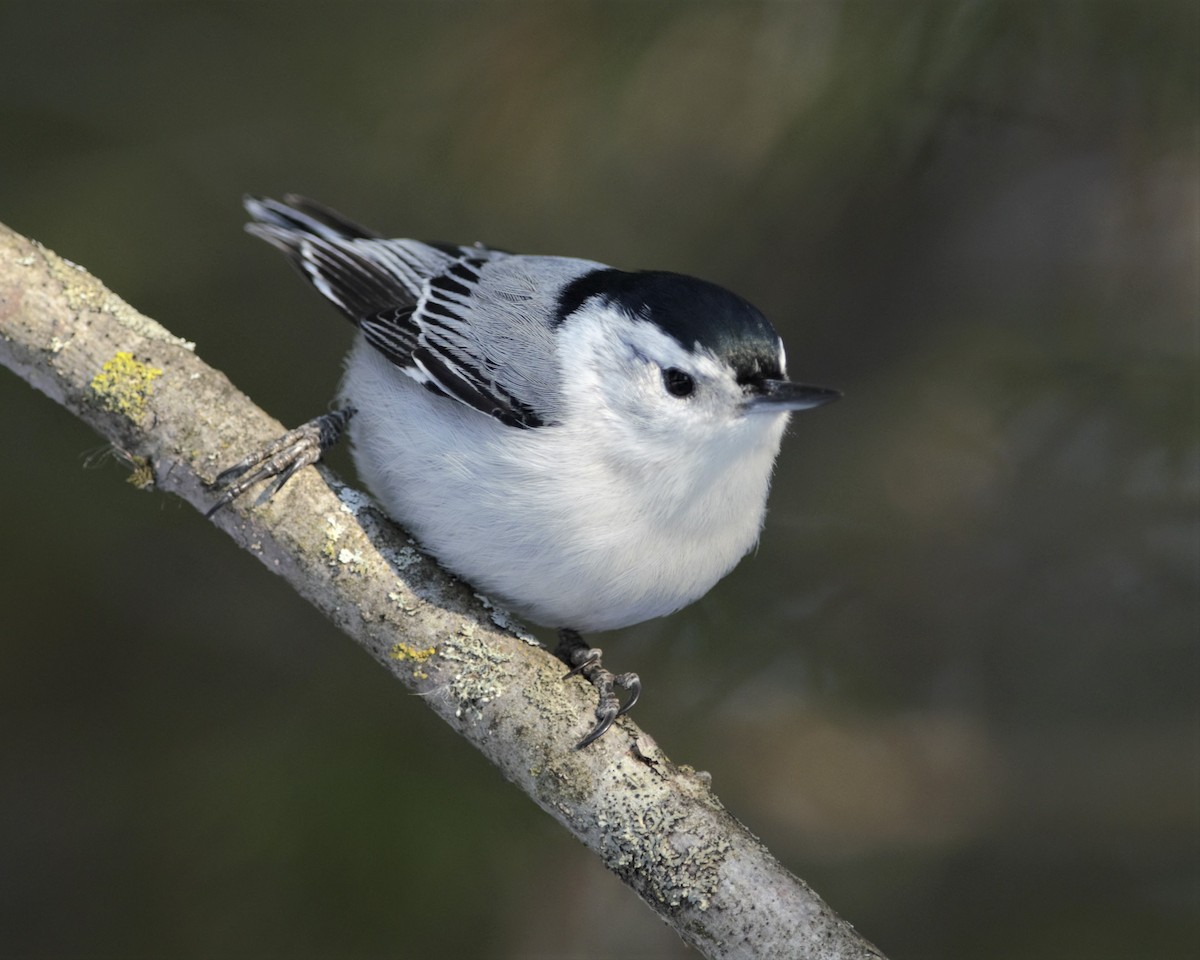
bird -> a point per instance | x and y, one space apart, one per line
588 446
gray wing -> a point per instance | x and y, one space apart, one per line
469 323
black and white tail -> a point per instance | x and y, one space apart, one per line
361 273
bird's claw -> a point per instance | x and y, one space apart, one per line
280 459
610 707
586 661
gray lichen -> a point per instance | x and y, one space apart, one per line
475 680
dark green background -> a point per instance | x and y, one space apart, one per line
955 687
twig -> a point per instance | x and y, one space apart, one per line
656 825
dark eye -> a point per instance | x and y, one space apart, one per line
678 383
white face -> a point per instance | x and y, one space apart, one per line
646 395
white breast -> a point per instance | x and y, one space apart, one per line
546 520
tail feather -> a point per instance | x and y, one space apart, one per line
295 212
349 264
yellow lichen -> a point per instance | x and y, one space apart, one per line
406 651
142 475
124 384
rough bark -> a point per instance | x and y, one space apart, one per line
176 420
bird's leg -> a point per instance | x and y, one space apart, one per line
585 660
281 458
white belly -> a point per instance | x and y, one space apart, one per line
561 541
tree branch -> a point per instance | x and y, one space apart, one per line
175 419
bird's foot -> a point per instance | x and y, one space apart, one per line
586 661
281 458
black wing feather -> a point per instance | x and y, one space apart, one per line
411 300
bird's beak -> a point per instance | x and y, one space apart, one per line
774 396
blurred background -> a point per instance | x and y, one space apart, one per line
955 688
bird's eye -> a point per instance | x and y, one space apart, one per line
678 383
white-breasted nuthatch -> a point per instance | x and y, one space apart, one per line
591 447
